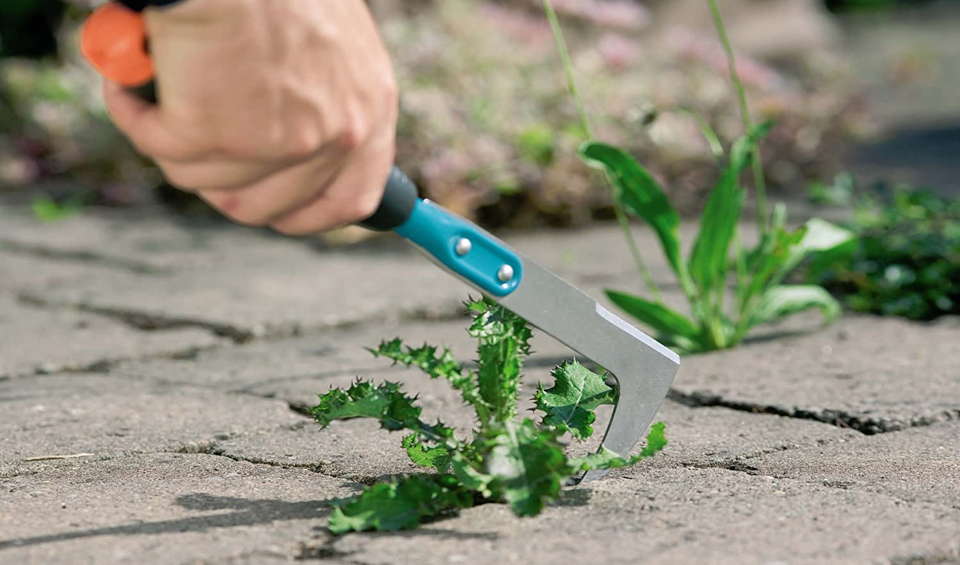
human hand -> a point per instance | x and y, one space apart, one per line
279 113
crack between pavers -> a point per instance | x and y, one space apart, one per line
212 448
948 557
151 321
837 418
141 320
77 256
105 365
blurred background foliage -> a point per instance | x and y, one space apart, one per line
487 127
906 259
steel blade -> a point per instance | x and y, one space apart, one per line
643 368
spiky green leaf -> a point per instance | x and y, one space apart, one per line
570 404
503 342
529 467
436 456
400 505
384 402
606 459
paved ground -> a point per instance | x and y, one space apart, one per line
174 363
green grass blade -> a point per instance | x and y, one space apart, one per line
782 301
640 194
666 321
708 260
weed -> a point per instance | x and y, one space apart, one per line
522 463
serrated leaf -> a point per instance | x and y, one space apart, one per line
469 477
436 364
429 359
504 341
437 457
570 403
399 506
605 459
668 323
384 402
786 300
640 194
529 467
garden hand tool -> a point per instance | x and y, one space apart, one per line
114 41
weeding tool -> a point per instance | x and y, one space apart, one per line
115 42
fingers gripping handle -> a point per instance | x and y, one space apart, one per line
114 41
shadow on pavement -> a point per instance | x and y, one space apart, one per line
245 513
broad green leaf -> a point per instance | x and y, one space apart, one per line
819 236
529 467
782 301
606 459
664 320
384 402
640 194
570 403
401 505
709 257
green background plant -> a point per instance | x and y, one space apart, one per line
905 260
758 295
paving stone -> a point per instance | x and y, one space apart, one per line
259 284
873 374
104 415
41 340
918 464
720 436
162 508
298 369
679 516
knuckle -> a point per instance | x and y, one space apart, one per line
353 132
302 142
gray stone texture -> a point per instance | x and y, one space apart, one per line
154 379
869 373
42 340
161 508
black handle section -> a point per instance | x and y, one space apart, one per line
146 92
399 198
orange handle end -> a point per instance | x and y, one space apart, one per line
114 41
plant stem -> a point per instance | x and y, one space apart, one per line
585 124
759 181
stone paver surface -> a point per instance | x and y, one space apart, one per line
154 379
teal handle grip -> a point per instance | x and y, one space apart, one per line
463 248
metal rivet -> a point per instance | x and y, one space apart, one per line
464 246
505 274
